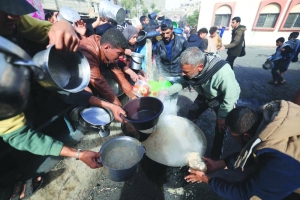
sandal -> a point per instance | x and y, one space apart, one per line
29 189
282 82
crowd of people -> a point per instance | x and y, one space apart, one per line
270 136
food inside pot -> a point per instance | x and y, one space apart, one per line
121 158
194 161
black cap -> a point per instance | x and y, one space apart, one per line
16 7
166 24
104 27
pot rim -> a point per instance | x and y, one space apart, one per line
109 112
139 144
149 119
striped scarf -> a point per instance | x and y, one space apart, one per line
212 64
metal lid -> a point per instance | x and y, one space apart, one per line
96 116
68 14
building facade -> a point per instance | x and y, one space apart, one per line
266 20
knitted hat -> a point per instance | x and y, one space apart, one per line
129 32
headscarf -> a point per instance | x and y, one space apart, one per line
129 32
39 14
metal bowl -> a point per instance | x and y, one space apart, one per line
66 71
130 144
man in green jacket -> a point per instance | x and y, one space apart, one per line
215 82
237 41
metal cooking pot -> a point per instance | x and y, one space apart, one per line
108 10
16 68
96 119
114 85
136 61
63 70
173 139
268 65
127 143
141 36
68 14
143 113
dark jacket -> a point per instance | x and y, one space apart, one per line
195 41
237 39
166 67
275 148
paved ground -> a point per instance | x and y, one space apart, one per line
255 92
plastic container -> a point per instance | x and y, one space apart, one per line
157 86
141 88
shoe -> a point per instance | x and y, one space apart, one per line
273 83
30 188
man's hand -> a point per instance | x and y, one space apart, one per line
80 27
90 158
161 78
128 52
117 111
162 94
196 176
222 48
133 76
213 166
221 125
63 36
100 21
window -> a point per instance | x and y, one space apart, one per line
222 16
267 20
268 16
222 20
293 20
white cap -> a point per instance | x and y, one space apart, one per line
135 22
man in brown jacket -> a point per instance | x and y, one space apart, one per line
103 52
237 40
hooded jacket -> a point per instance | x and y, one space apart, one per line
195 41
237 39
276 150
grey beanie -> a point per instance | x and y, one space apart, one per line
129 32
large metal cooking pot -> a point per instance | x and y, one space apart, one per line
63 70
130 150
173 139
143 113
16 68
96 119
165 162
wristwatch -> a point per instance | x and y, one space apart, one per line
77 154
